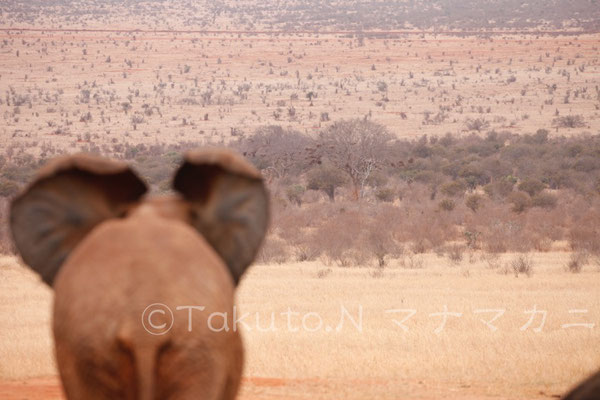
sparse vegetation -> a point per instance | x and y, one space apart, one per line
414 151
522 264
501 209
577 261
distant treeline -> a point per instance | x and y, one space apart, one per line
355 193
318 15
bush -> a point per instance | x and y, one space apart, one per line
569 121
455 253
544 200
520 201
19 173
412 261
273 250
377 179
323 273
377 272
155 170
584 237
587 163
338 238
294 194
499 236
8 188
379 240
492 260
474 201
577 261
474 175
385 194
472 239
447 205
539 137
523 264
499 189
531 186
453 189
477 124
300 239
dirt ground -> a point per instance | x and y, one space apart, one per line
76 89
280 389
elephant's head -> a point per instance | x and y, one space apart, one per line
85 225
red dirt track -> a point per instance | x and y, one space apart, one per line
258 388
274 32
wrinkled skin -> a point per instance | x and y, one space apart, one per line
109 253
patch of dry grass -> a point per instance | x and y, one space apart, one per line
383 360
507 362
25 316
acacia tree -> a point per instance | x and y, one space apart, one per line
326 178
277 151
356 146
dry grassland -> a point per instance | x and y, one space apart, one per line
82 90
465 360
95 91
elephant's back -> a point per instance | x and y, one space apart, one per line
123 267
115 278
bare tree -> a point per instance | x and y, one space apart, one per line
356 146
276 151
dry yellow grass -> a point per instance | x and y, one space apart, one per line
25 314
465 360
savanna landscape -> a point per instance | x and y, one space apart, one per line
433 170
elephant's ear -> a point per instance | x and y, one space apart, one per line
67 199
589 389
228 202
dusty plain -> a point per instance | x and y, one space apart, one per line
90 90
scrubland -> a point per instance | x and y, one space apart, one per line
418 157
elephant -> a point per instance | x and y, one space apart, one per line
109 251
589 389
